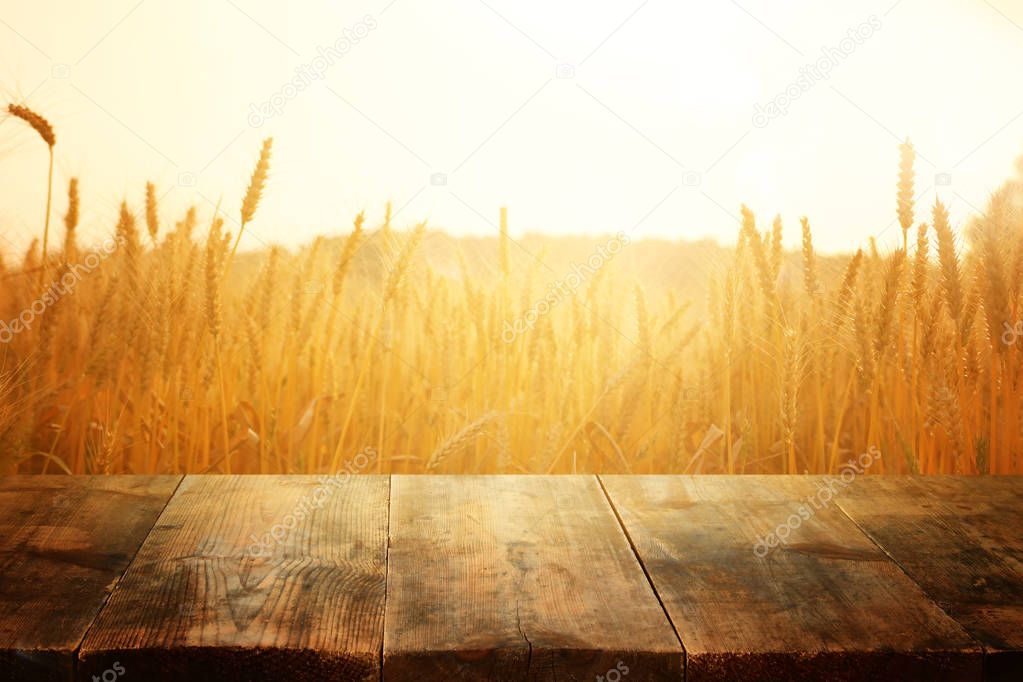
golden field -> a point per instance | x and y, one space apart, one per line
163 350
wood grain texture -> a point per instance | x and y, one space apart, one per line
961 540
517 578
204 601
826 604
64 543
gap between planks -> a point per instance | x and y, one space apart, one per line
646 572
387 566
895 562
75 662
740 617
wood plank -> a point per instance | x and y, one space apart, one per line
64 543
826 604
961 540
204 601
517 578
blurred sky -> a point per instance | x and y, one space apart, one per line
580 116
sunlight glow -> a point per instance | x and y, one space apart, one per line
580 117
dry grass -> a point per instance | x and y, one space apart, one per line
174 356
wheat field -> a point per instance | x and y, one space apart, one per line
164 350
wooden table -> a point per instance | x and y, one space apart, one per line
610 578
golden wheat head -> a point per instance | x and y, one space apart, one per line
256 183
37 121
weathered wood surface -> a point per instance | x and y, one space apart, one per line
510 578
961 540
517 578
204 600
826 604
64 543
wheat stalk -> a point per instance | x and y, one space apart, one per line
948 258
904 209
458 441
71 221
152 216
45 130
253 194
